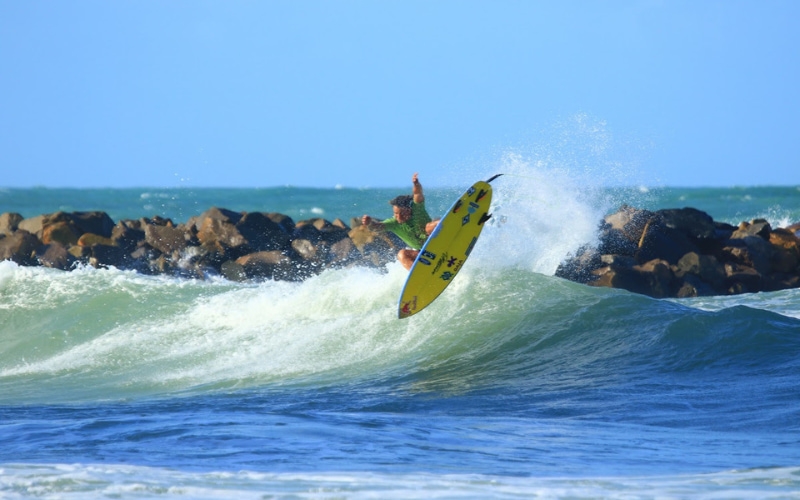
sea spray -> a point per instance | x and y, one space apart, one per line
539 216
556 192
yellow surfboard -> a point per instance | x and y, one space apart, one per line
446 249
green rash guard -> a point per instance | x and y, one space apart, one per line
412 232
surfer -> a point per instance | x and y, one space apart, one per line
411 222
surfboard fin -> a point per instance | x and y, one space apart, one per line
495 176
484 218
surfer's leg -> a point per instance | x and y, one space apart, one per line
430 226
406 257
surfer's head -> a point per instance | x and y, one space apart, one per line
402 207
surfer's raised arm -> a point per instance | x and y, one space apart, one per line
371 222
410 222
417 191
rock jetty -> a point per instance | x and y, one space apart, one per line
685 253
666 253
236 245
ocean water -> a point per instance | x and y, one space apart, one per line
513 384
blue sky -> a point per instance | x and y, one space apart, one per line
364 93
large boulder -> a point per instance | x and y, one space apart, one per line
660 241
691 222
217 231
751 251
759 227
653 278
167 239
705 267
377 248
93 222
9 222
61 231
269 264
262 233
56 256
33 225
128 234
19 247
629 223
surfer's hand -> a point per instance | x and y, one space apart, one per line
366 220
414 179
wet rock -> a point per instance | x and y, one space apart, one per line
20 247
167 239
262 233
93 222
56 256
127 235
704 257
704 267
759 228
652 278
268 264
376 248
91 239
691 222
62 231
660 241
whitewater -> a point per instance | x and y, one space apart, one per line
513 384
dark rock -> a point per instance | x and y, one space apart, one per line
781 281
614 242
283 221
127 235
376 247
56 256
110 256
758 227
629 223
665 243
306 250
62 231
81 254
261 233
579 268
93 222
269 264
342 253
705 268
689 221
219 214
19 247
742 279
652 278
692 286
306 230
233 271
166 239
751 251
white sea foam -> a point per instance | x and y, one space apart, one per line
88 481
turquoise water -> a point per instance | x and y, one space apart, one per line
514 384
